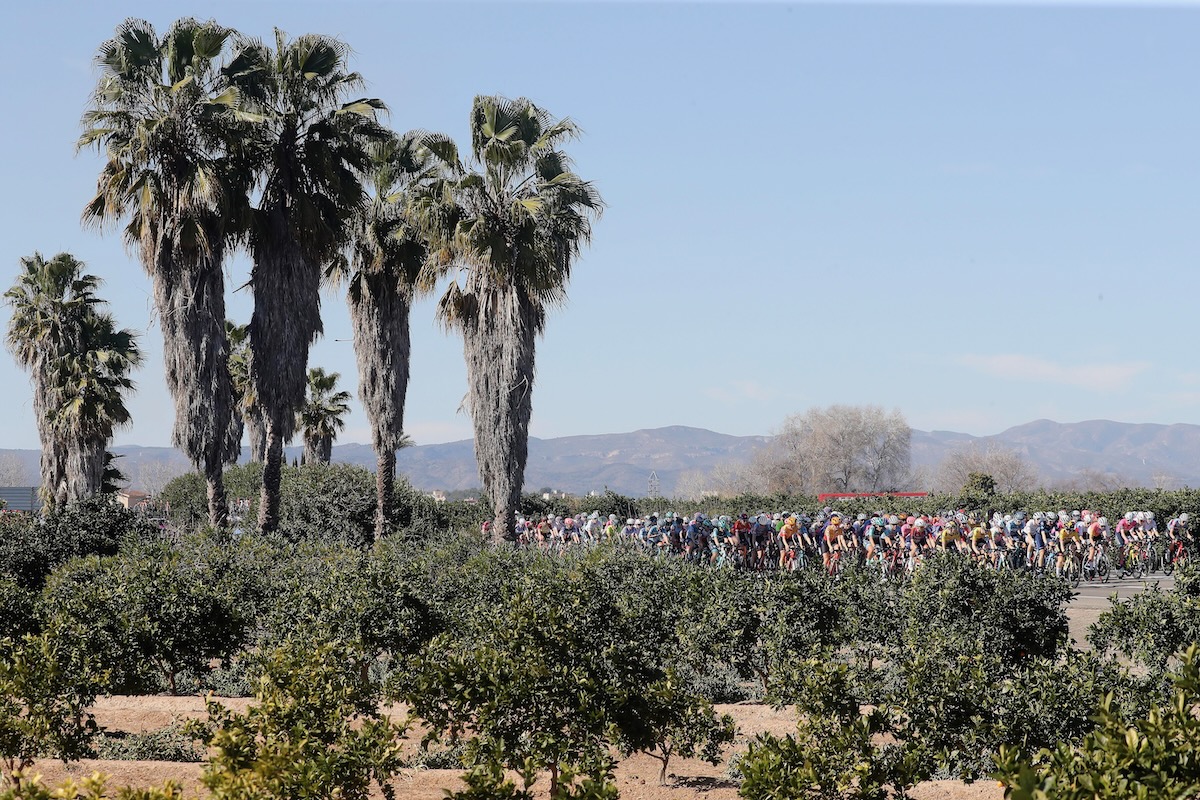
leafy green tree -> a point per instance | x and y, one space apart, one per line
314 730
45 690
1152 757
153 610
31 548
514 223
323 415
552 677
162 117
837 752
306 149
92 787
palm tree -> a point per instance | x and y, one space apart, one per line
92 381
386 255
244 398
513 221
163 119
323 415
308 149
79 363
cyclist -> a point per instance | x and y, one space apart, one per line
832 539
876 535
979 541
951 535
1097 530
918 537
789 543
1068 542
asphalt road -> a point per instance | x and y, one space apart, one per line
1096 595
1091 599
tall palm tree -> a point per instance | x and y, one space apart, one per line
386 256
163 119
309 146
513 220
79 363
323 415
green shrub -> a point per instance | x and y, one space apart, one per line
45 690
314 731
170 743
1154 757
89 788
32 547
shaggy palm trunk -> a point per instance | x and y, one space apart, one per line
286 320
379 311
498 344
318 449
385 486
256 428
53 489
189 292
268 502
85 468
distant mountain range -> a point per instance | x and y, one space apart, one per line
1145 454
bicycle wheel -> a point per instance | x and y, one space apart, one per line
1103 568
1168 563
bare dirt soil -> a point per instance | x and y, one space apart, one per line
637 777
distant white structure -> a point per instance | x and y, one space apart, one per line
653 487
21 498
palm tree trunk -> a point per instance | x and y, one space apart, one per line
286 320
379 313
499 351
256 427
218 501
318 449
385 482
84 469
268 502
189 293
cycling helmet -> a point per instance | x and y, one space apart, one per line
893 520
877 522
910 519
1149 515
861 517
1129 516
777 515
1103 522
1183 517
920 523
1008 517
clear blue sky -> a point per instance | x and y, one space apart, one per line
979 214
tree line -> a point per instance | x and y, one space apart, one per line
214 142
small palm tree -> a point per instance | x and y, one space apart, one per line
164 118
323 415
79 363
511 222
307 148
245 400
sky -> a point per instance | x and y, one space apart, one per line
979 214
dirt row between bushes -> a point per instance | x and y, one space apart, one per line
637 777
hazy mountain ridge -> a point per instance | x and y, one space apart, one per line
1141 454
